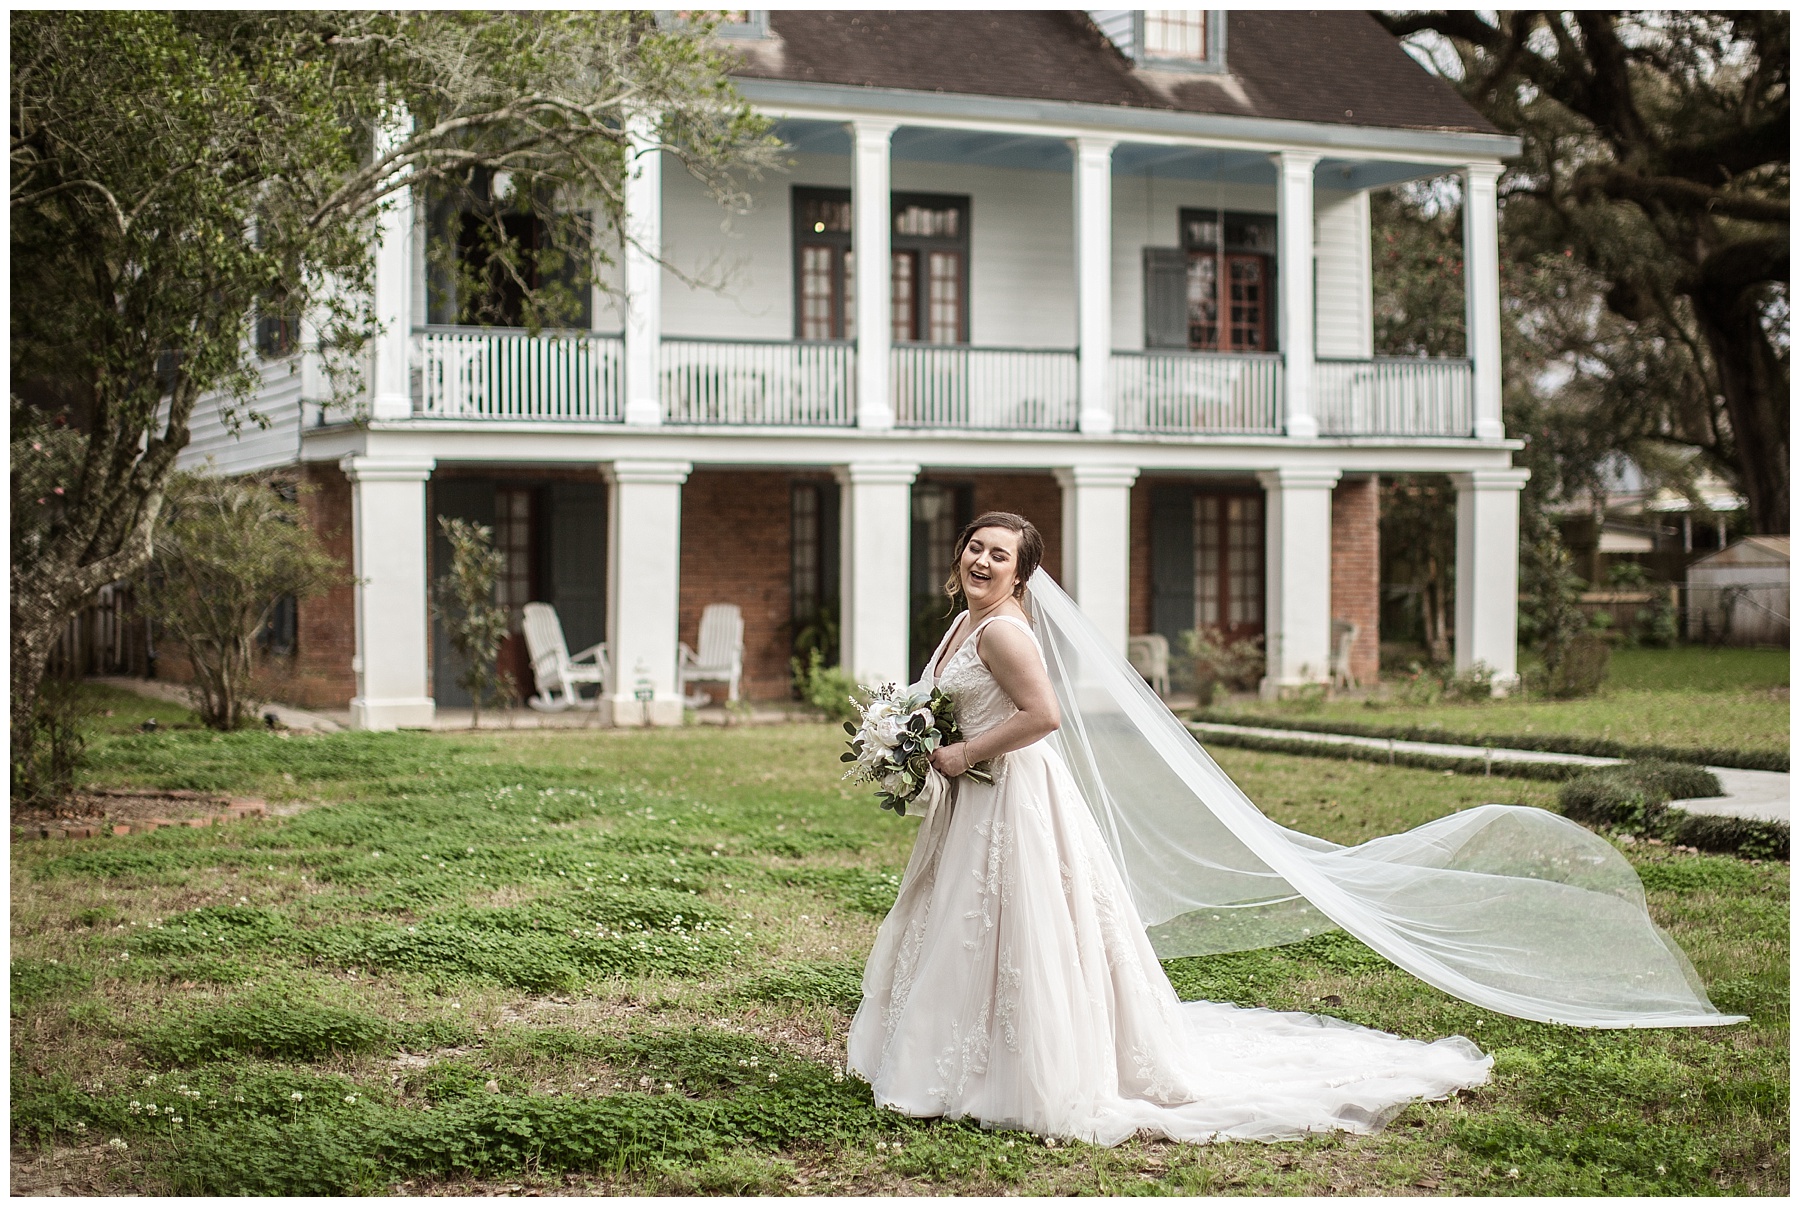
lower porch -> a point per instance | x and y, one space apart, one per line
850 559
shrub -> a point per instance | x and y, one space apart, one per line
46 767
1579 671
1634 796
463 599
229 551
832 690
1221 662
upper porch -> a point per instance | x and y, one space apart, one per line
1063 271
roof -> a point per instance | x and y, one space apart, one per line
1335 67
1751 551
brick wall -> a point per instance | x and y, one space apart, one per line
1140 556
736 528
1356 569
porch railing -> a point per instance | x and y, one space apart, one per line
957 386
1196 392
1396 396
759 382
494 373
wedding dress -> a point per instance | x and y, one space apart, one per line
1015 980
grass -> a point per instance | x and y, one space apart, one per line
624 962
1726 698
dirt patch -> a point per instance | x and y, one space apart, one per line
96 812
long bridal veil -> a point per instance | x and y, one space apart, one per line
1515 909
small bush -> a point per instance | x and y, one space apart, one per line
1221 662
1634 796
832 690
1580 672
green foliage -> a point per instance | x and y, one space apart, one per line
1634 797
272 1026
1550 618
463 601
34 980
45 769
828 984
1418 552
1221 661
1417 271
830 689
227 551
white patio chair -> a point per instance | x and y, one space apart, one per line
559 674
1343 643
721 655
1149 656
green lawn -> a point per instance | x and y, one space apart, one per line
610 961
1732 699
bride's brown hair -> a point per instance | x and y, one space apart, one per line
1031 550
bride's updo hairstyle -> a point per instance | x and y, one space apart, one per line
1031 550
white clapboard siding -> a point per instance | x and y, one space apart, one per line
251 447
1341 248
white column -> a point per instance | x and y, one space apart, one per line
1096 544
643 273
1487 572
393 634
394 268
875 560
643 589
1294 285
1481 291
1093 279
871 193
1297 536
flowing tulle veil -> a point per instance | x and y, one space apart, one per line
1512 908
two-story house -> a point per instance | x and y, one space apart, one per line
1126 292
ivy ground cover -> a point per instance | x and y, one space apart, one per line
588 962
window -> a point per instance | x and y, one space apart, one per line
1175 33
928 279
1230 277
1228 564
807 551
931 238
514 513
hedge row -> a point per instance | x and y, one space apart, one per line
1634 798
1606 748
1743 836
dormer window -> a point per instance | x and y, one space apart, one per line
1175 33
1166 39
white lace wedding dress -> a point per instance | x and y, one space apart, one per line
1013 983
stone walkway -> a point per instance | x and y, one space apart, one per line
1758 794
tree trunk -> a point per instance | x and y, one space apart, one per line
1756 399
36 621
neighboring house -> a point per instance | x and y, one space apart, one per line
1126 292
1739 595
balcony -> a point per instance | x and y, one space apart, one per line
478 373
1185 392
996 389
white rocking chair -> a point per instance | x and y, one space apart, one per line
559 674
721 655
1148 654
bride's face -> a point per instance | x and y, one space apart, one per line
989 566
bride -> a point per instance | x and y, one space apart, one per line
1016 979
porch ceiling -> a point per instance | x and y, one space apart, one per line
1231 166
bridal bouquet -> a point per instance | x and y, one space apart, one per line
900 728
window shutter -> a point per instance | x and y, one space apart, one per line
1172 562
1165 298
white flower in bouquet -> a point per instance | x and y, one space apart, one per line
893 746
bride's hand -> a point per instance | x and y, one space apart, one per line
951 761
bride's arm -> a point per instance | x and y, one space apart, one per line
1013 660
